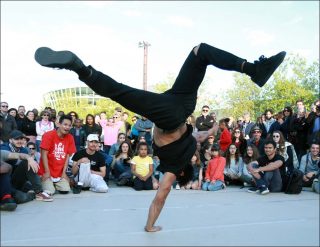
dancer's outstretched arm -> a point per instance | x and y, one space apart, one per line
201 136
158 202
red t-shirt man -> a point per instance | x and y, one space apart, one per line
59 150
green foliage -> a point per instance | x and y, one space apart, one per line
292 81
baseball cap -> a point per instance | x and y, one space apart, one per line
16 134
93 137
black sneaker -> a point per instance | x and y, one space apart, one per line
253 190
22 197
122 181
8 204
264 190
58 59
265 68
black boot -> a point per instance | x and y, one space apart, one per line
265 68
62 60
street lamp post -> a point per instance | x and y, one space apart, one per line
145 46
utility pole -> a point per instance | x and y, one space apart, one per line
145 45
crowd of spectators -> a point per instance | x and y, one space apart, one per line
56 152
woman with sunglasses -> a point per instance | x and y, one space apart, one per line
239 140
286 150
43 126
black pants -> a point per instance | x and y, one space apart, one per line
5 184
139 184
21 175
170 109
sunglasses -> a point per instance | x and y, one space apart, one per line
276 136
5 106
45 115
32 148
205 110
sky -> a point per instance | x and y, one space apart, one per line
105 34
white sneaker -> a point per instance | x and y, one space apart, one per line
177 187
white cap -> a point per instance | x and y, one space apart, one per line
93 137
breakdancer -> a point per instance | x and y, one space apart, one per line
173 140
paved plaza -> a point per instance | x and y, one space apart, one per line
231 217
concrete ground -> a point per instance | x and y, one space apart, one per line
231 217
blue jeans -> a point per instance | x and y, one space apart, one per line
218 185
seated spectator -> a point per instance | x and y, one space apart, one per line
268 170
251 155
157 175
78 133
7 203
196 182
233 164
56 147
214 178
89 166
43 126
114 147
142 168
257 139
238 140
316 185
309 165
32 149
286 150
121 164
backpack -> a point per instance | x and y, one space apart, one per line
294 181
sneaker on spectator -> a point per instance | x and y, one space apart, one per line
177 187
8 204
21 197
43 196
264 190
253 190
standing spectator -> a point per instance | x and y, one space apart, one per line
262 127
53 116
287 116
28 127
144 126
214 178
246 125
21 117
13 112
205 121
192 121
36 114
127 125
91 127
8 122
269 120
134 133
268 170
310 165
111 130
257 140
43 126
56 147
142 168
298 132
74 116
313 122
89 166
278 124
78 133
238 140
286 150
225 137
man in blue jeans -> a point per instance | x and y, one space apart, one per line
173 140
